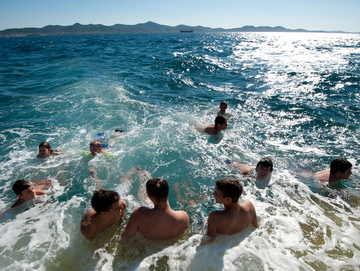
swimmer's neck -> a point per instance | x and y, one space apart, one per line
333 180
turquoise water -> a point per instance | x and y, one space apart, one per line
292 97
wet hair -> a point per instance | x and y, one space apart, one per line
158 188
103 199
265 162
339 165
19 186
96 143
46 145
220 120
230 188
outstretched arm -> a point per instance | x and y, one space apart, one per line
245 169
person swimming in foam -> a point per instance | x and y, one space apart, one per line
263 169
46 151
214 129
340 169
26 191
97 146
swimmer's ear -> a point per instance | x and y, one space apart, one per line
228 199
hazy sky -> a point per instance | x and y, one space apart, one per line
307 14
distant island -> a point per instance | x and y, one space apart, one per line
149 27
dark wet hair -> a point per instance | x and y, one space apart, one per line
96 143
230 188
158 188
339 165
19 186
46 145
103 199
223 102
265 162
220 120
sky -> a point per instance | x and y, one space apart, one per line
328 15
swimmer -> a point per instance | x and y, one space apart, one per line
263 168
236 216
107 209
25 191
223 106
214 129
339 169
97 147
46 151
160 222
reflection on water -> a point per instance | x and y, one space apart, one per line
294 98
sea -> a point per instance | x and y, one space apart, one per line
293 97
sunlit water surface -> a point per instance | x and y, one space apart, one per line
292 97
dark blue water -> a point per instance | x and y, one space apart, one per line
293 97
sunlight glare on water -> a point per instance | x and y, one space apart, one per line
292 96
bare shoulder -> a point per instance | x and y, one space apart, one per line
209 129
18 202
247 205
323 176
140 213
215 215
87 227
123 203
249 208
182 216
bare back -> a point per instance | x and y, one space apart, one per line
232 220
157 224
323 176
93 223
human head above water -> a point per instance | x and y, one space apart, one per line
221 121
265 162
103 199
223 105
264 167
230 188
339 165
19 186
158 188
45 149
95 147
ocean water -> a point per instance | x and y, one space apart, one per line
294 97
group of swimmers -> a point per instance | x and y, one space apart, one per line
162 222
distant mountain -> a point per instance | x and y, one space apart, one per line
149 27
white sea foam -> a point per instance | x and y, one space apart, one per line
282 104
